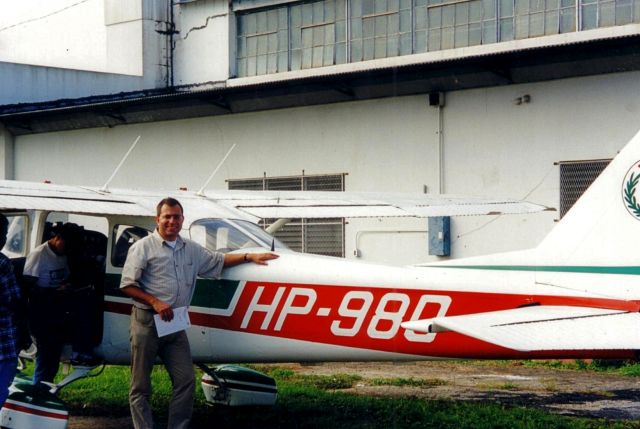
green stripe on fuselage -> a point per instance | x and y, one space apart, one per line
209 293
28 395
634 271
214 293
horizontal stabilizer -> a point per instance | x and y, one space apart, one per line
540 328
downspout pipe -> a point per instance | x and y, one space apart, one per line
437 100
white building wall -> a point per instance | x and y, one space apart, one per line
202 44
497 148
32 84
109 46
492 147
119 37
74 35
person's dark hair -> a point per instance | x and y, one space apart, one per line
69 232
4 227
171 202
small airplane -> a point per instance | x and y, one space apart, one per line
577 295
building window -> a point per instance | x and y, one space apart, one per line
535 18
263 42
607 13
575 178
318 34
304 35
449 24
380 29
318 236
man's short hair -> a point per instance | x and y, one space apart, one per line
171 202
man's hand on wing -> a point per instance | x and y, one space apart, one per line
232 259
261 258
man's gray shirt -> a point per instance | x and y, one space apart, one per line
169 275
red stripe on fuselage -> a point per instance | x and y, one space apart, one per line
369 318
36 412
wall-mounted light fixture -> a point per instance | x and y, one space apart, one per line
522 100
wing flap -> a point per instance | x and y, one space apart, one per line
72 199
72 205
261 204
542 328
314 204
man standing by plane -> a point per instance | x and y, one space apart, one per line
160 274
9 303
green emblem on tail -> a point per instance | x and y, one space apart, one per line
629 192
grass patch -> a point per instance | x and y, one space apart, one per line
601 393
101 395
550 385
303 407
328 382
324 382
499 386
611 366
412 382
509 386
307 403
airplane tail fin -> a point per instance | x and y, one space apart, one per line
603 226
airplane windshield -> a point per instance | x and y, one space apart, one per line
224 235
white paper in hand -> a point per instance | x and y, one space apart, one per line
180 322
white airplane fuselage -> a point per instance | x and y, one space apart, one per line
311 308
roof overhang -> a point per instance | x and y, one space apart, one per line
531 60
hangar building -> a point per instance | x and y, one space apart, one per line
527 99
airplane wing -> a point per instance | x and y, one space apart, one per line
316 204
540 328
253 204
44 196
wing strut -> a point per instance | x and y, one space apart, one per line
277 225
201 191
105 188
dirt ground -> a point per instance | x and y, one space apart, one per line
574 393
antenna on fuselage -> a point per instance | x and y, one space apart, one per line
201 191
105 187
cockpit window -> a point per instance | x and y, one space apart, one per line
16 245
224 236
261 234
123 236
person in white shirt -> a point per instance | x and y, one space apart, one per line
46 272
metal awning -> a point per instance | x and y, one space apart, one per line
517 66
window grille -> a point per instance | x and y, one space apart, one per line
309 34
318 236
575 178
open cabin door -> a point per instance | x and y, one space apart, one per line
83 299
